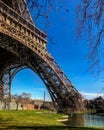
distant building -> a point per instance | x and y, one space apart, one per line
40 104
28 106
32 105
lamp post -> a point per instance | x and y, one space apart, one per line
44 96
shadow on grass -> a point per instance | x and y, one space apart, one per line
48 128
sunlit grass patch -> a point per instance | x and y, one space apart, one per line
29 118
35 119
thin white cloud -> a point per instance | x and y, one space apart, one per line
91 95
42 89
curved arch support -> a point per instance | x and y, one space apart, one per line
64 96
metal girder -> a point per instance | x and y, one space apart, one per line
20 7
28 47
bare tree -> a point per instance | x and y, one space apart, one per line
41 10
18 99
23 98
90 21
26 97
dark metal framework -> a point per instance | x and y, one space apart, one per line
24 45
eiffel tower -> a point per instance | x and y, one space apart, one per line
22 45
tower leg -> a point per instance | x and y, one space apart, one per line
1 90
5 85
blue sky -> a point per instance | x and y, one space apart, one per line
70 53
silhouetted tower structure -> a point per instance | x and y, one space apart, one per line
22 44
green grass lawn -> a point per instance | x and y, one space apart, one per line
34 119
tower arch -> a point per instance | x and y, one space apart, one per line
26 45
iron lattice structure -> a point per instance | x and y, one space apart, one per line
22 44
